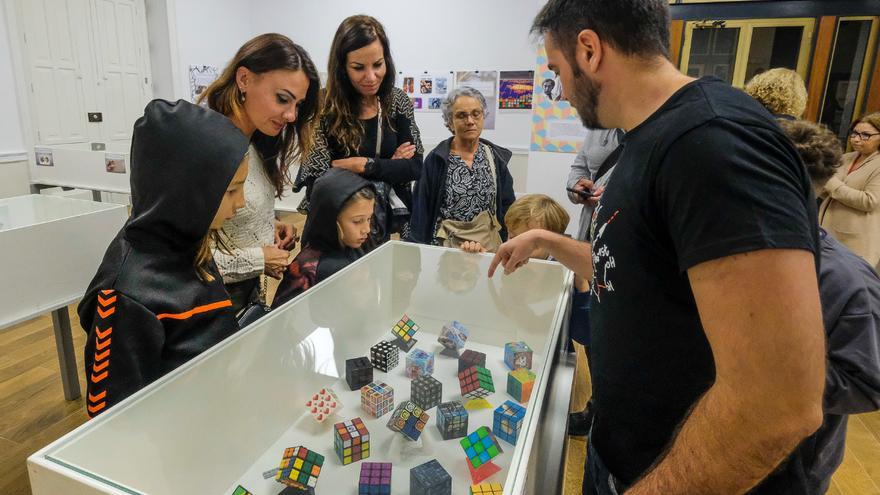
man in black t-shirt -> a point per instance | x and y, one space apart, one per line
707 339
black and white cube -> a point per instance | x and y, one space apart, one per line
426 391
358 372
384 356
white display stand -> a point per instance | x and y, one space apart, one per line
225 417
50 248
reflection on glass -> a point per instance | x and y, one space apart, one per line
317 349
774 47
850 50
713 53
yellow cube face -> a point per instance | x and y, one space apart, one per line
298 464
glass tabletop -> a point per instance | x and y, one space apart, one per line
24 211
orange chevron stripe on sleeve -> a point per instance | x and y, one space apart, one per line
99 397
197 310
107 292
106 302
103 335
104 314
99 378
100 367
102 356
101 345
97 407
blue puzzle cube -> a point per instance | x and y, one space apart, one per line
453 336
452 420
419 363
517 355
508 421
480 447
429 479
375 478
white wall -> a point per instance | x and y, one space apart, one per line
159 38
13 156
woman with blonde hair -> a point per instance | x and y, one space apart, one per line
270 92
850 208
781 91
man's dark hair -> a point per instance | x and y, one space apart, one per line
633 27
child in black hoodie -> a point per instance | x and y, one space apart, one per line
157 299
337 232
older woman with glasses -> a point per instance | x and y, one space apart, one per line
465 188
851 206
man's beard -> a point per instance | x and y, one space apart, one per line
585 99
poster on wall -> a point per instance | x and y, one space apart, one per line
486 82
515 90
44 157
200 77
426 90
556 126
114 163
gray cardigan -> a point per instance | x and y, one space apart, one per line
598 144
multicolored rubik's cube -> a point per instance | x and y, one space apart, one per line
519 384
508 421
300 468
487 489
517 355
358 372
471 358
419 363
375 478
426 391
408 419
384 356
452 420
476 382
480 446
453 336
429 479
323 404
240 490
405 331
351 441
377 398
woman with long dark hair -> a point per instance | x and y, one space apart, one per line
367 125
270 91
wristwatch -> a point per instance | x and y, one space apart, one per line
370 166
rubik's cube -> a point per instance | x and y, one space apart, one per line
408 419
480 447
487 489
404 331
519 384
453 336
426 391
419 363
377 398
323 404
375 478
351 441
358 372
517 355
240 490
452 420
471 358
384 356
429 479
476 382
508 421
300 468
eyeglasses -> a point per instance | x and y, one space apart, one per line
476 115
864 136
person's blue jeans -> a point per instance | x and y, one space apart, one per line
597 479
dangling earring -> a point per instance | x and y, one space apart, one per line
241 95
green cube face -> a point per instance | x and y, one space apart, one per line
479 447
493 451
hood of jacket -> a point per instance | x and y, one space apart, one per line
330 192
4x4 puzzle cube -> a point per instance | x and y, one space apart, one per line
508 421
487 489
519 384
429 479
323 404
476 382
480 447
408 419
404 332
377 398
426 391
470 358
419 363
299 468
351 441
358 372
384 356
452 420
453 336
517 355
375 478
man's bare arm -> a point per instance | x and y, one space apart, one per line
575 255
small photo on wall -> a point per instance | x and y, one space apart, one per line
434 103
426 86
114 164
417 103
408 85
44 157
441 85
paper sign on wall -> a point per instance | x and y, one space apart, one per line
114 163
515 90
44 156
200 77
427 89
555 123
486 82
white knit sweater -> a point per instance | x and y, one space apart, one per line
251 228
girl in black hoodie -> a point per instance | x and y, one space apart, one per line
337 232
157 299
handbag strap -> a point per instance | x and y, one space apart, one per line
379 129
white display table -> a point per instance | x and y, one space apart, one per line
225 417
50 248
